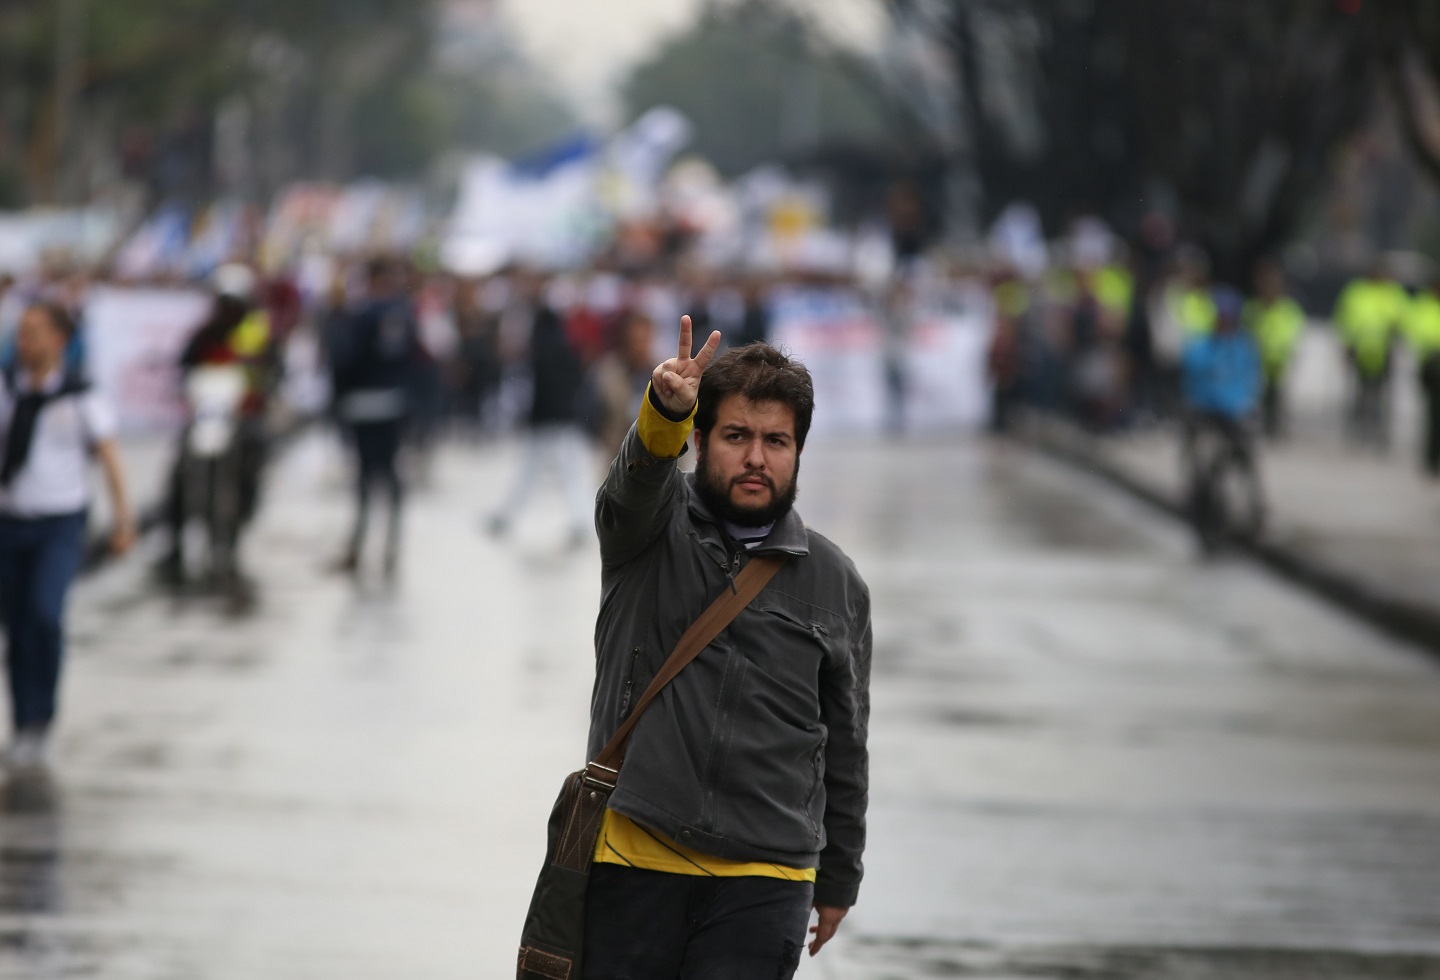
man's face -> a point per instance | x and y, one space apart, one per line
746 465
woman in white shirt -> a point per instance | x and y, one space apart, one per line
51 424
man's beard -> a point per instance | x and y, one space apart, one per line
714 490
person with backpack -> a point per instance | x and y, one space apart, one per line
52 423
375 358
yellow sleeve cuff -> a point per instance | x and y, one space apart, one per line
661 437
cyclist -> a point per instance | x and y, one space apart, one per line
238 332
1221 379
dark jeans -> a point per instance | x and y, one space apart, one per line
377 451
1272 408
649 925
39 558
1370 407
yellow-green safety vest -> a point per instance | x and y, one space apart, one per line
1422 325
1277 327
1368 314
1113 288
1012 298
250 338
1194 310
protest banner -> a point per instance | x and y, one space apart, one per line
134 339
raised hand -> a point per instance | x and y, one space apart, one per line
677 381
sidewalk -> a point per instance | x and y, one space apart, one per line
1361 527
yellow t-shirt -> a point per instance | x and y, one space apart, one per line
622 840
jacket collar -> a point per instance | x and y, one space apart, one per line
788 537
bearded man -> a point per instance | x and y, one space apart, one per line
741 804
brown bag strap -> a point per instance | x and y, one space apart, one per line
722 612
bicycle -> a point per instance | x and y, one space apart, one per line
1226 500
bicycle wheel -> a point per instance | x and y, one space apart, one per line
1238 487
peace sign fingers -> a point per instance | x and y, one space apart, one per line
686 339
677 381
707 353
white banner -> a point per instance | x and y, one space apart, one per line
134 339
937 370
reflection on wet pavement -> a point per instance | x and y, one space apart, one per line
1092 757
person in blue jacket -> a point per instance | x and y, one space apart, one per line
1222 380
1221 370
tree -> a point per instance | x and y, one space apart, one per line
1408 50
307 89
759 86
1232 109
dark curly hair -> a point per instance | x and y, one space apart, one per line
760 373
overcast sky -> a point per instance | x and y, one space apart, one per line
588 46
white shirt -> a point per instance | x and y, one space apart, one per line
55 479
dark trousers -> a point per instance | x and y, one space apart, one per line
649 925
1272 408
377 451
1430 385
1370 409
39 558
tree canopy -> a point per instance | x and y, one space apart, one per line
759 86
318 88
1229 110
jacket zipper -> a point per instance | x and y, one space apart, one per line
731 570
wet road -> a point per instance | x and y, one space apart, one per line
1092 757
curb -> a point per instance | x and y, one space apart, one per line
1401 618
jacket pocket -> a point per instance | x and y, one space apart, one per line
627 699
817 780
818 630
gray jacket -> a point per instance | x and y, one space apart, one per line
756 752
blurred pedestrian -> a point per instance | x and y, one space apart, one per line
334 325
430 371
741 803
619 379
52 424
477 362
554 440
1422 330
1276 321
1094 368
1148 262
755 318
897 320
1006 359
1369 315
1186 311
375 366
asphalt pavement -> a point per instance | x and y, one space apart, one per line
1093 756
1360 524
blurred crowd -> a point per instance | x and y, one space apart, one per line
565 354
1107 343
